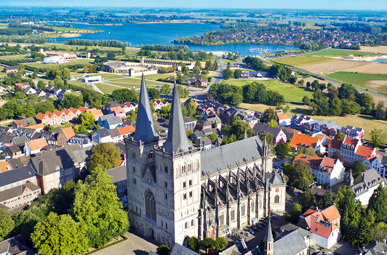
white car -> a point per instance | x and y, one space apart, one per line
252 231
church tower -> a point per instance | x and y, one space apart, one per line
267 157
178 169
143 195
269 241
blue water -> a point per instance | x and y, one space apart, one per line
138 34
381 60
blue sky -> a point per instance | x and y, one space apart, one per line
283 4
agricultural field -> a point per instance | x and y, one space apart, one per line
70 29
340 53
289 91
12 57
301 60
375 82
377 49
360 120
332 66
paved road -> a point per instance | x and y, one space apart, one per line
134 245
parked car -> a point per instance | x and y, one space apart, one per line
252 231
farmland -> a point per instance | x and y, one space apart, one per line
70 63
301 60
375 82
293 92
341 53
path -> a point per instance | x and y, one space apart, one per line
96 88
134 245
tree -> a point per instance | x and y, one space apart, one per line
340 136
282 150
153 93
165 89
194 243
273 123
191 108
105 156
294 215
59 235
6 223
237 73
328 199
208 242
41 85
87 119
376 137
124 95
299 175
213 136
310 152
110 55
358 168
72 100
270 114
97 206
378 203
163 250
227 73
220 243
269 138
307 200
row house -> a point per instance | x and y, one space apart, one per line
283 119
96 112
59 117
118 112
324 169
56 167
353 151
159 104
20 196
297 122
301 141
83 140
353 132
34 146
324 126
128 107
278 135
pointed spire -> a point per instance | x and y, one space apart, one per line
269 233
177 136
351 179
145 128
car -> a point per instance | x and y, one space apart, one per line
255 228
252 232
247 234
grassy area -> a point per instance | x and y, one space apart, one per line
301 60
340 53
362 80
155 77
70 63
69 29
289 91
364 121
12 57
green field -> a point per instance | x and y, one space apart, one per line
301 60
69 29
340 53
12 57
70 63
289 91
362 80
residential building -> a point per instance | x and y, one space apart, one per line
201 82
353 132
34 146
170 181
283 119
289 132
375 248
352 151
10 69
83 140
96 112
17 177
159 104
23 123
323 225
65 55
116 135
59 117
326 170
278 135
56 167
189 123
14 151
15 246
102 136
20 196
64 135
209 122
120 181
301 141
109 121
365 184
124 131
118 112
5 166
297 122
129 107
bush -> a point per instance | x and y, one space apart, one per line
208 242
163 250
220 243
194 243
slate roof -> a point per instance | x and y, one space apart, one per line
118 173
181 250
103 132
56 160
376 248
260 128
365 181
145 127
114 132
17 191
16 175
177 139
292 243
231 154
111 119
19 162
14 245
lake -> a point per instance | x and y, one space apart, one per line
382 60
138 34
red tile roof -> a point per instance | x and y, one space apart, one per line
37 144
126 130
301 140
336 144
350 141
328 163
313 160
364 151
321 222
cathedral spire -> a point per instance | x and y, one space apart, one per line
177 140
145 128
269 239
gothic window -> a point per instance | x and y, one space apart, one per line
276 199
150 155
252 206
133 155
243 210
166 196
186 225
134 181
232 215
192 223
150 205
165 184
185 196
166 169
184 185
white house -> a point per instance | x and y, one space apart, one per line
34 146
283 119
102 136
92 79
128 107
365 184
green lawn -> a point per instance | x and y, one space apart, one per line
301 60
69 29
361 80
70 63
12 57
289 91
340 53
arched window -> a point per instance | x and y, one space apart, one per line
150 205
276 199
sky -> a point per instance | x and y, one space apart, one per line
247 4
